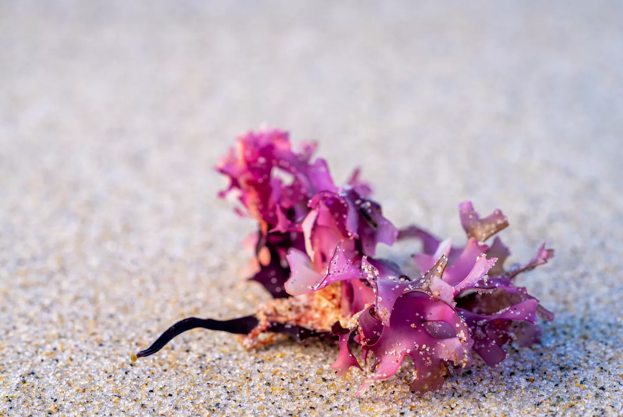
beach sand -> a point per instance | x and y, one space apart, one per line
113 115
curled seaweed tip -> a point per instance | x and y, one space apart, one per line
241 325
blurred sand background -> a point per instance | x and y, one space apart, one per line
112 115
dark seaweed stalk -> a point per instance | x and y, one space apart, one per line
241 325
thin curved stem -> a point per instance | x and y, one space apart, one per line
241 325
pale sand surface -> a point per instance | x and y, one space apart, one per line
113 114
